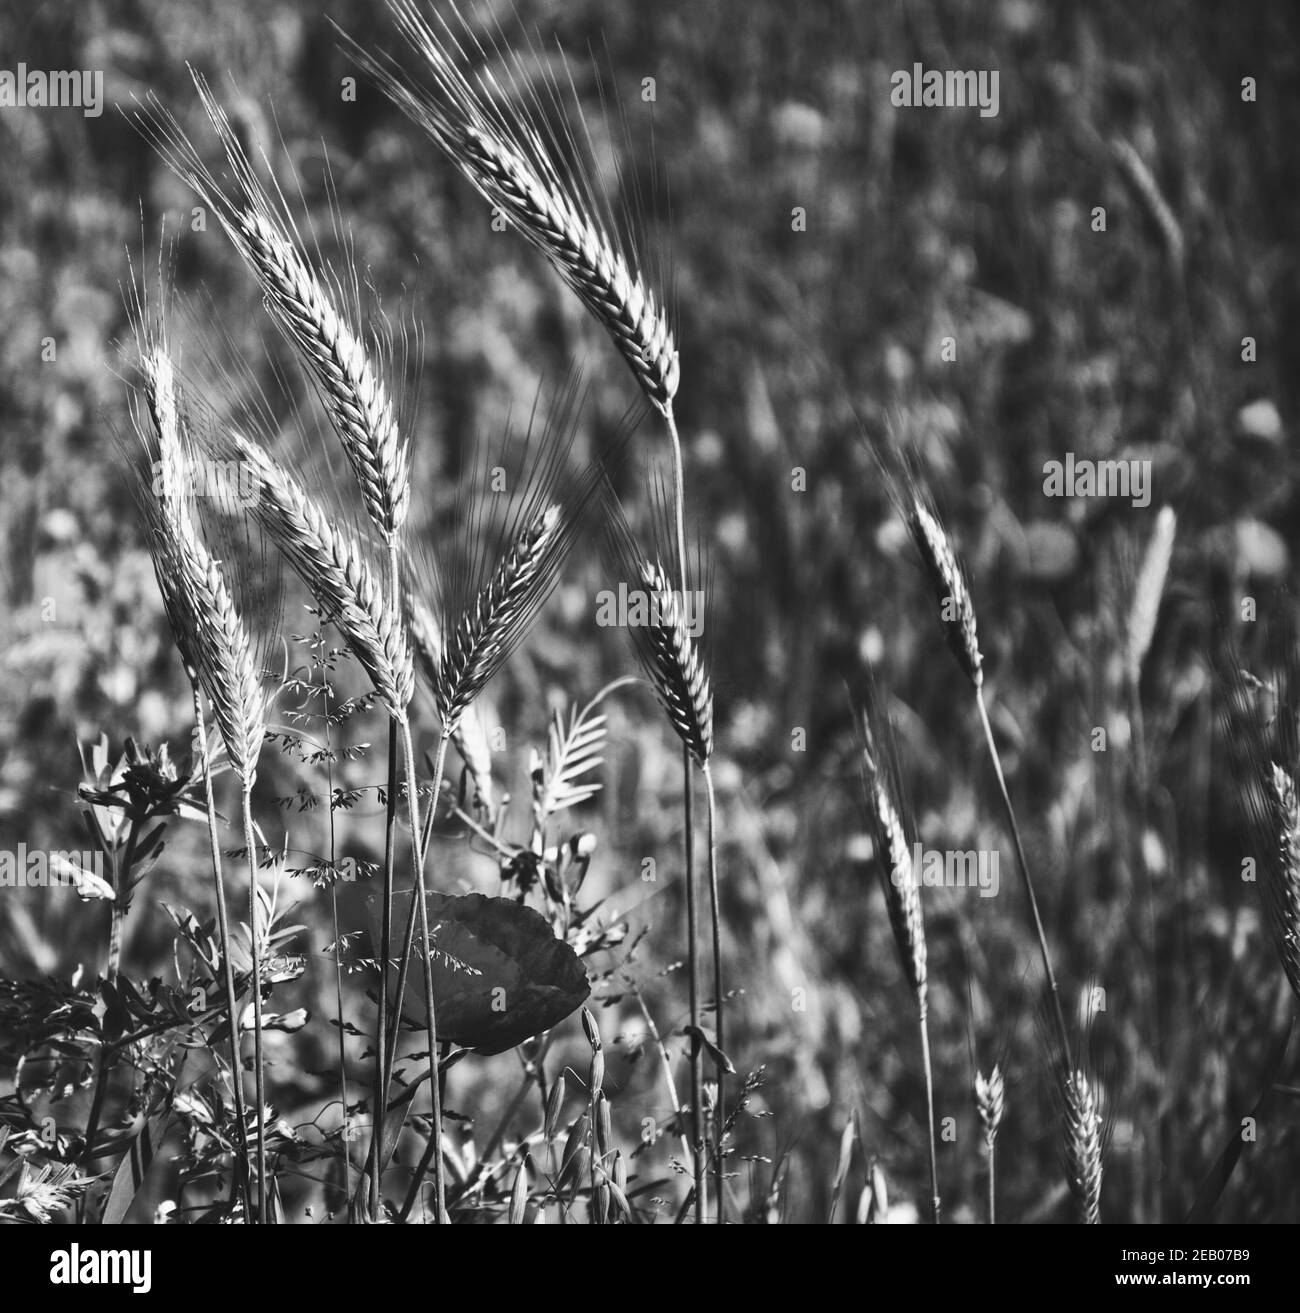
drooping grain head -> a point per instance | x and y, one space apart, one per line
334 566
899 880
901 885
498 140
469 737
518 516
354 396
674 664
201 609
669 631
492 626
948 582
309 308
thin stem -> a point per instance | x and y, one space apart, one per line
121 874
667 1066
993 1216
417 1177
255 939
692 936
115 939
592 1213
343 1080
121 891
383 1069
679 497
227 967
334 912
720 1069
929 1112
408 936
439 1188
531 1077
688 838
1062 1034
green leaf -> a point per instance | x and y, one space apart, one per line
500 976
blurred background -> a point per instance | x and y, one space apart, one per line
799 340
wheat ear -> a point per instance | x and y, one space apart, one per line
333 565
199 600
990 1104
675 667
480 641
468 738
1082 1135
900 882
500 145
307 306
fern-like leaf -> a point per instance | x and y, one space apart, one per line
562 779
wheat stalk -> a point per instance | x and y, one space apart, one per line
513 161
217 651
957 614
676 669
333 354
